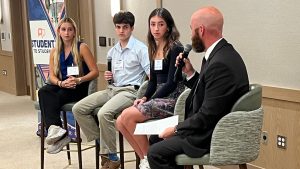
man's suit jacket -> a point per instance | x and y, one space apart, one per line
222 81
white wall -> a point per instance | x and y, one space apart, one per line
103 27
141 9
265 33
5 26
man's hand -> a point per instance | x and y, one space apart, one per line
188 67
167 133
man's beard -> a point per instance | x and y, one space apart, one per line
197 43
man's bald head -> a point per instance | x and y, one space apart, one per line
211 18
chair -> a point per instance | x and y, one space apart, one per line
178 110
64 109
140 93
236 137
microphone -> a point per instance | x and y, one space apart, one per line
178 72
109 69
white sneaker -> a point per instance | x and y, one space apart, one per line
58 146
54 134
144 163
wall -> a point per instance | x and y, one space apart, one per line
282 107
12 54
265 33
6 55
267 38
5 27
7 80
103 27
141 21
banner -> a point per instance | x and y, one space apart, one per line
44 16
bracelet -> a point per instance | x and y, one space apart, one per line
60 84
57 82
175 130
79 80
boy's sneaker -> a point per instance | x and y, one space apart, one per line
55 133
59 145
104 162
111 164
114 164
144 163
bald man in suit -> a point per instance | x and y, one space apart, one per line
222 80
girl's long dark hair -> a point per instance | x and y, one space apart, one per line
171 36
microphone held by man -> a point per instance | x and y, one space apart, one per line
178 72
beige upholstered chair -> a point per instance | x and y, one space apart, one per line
236 137
68 107
178 110
180 104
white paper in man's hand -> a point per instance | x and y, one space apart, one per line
155 127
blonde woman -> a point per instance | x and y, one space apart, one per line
71 67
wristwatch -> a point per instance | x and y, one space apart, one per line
175 130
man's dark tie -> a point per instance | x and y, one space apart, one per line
202 68
203 63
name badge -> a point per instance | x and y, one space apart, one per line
119 65
158 64
72 70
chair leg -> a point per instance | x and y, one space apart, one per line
137 161
121 144
201 167
97 149
42 141
66 128
189 167
78 140
243 166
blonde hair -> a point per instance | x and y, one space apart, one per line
59 47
